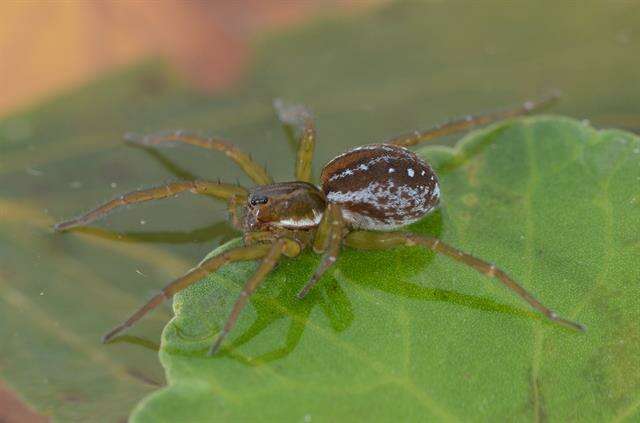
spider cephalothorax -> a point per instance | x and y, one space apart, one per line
288 205
368 189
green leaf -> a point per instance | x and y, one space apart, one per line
406 335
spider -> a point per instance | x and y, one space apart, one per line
366 196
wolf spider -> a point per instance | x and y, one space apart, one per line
365 195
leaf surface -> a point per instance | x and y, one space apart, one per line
407 335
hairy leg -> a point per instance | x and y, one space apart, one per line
210 265
281 246
378 240
335 226
216 189
256 172
467 122
301 119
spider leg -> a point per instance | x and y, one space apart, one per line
216 189
467 122
321 238
255 171
208 266
331 245
304 160
376 240
273 254
300 118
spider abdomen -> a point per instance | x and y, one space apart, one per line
380 186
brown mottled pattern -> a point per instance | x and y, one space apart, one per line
381 186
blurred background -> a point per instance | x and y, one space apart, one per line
75 75
47 47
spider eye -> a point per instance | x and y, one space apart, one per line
258 199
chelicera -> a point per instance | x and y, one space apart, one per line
365 198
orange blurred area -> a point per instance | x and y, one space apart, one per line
12 410
50 46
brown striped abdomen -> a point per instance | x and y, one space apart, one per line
380 186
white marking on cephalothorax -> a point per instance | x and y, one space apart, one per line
410 172
302 222
391 170
296 223
423 173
